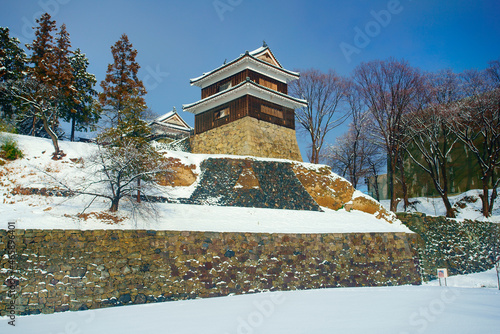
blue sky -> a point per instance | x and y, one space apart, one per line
178 40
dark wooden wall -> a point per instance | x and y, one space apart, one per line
239 108
254 110
238 78
206 121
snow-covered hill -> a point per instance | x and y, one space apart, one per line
467 206
38 170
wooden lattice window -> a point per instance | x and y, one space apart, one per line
268 84
225 86
221 113
271 111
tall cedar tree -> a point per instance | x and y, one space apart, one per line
41 61
42 48
122 96
12 67
62 76
48 81
123 104
79 109
39 91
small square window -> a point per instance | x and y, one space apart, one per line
225 86
221 113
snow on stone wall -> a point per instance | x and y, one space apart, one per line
463 247
251 183
60 270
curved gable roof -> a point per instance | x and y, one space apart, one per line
273 70
247 87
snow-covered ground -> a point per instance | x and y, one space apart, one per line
457 308
435 207
37 170
403 309
485 279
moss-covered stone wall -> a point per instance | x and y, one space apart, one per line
251 183
461 247
59 270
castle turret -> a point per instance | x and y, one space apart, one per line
245 108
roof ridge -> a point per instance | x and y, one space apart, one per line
229 90
252 55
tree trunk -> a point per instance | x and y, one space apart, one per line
73 121
114 204
57 151
497 268
392 185
314 155
484 198
33 126
375 186
406 202
450 213
493 197
138 190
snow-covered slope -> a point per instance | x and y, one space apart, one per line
467 205
37 170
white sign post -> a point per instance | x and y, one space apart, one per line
442 273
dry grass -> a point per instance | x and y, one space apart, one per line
52 169
18 190
77 161
462 203
104 216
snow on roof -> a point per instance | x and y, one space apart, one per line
161 120
253 88
263 49
257 51
253 55
165 116
172 126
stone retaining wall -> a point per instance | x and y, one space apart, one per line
249 136
251 183
462 247
60 270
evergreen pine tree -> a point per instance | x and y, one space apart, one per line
79 109
12 67
44 87
41 70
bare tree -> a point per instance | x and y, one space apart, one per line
39 101
389 89
116 171
476 122
353 156
430 139
324 92
375 163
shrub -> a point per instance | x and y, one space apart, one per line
10 150
6 126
